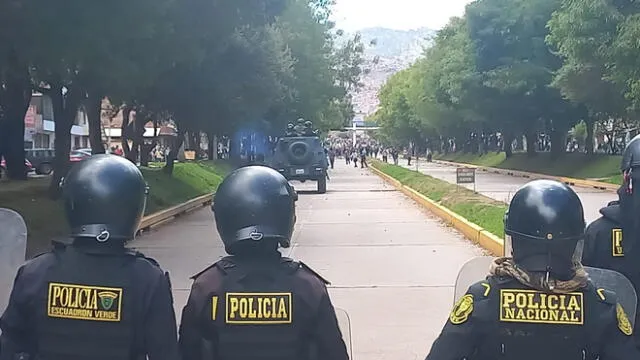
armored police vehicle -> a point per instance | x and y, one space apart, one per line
300 155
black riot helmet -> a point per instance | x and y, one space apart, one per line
104 198
254 204
631 155
545 228
629 197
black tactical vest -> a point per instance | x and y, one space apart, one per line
86 311
534 341
263 339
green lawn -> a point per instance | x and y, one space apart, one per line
604 168
45 219
476 208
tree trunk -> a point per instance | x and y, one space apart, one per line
94 113
531 137
212 148
136 129
124 138
507 138
557 137
16 99
65 109
588 144
173 154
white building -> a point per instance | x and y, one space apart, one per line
40 125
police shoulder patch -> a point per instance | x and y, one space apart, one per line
616 243
257 308
462 310
84 302
623 321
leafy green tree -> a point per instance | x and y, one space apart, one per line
582 33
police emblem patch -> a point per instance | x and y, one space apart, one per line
616 243
461 310
623 322
258 308
81 302
532 306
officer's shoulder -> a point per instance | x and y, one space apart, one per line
221 265
481 289
305 271
39 260
144 261
603 295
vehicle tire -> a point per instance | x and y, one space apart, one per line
322 185
299 153
44 169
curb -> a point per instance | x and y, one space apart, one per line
166 215
471 231
530 175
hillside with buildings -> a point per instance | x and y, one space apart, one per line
395 50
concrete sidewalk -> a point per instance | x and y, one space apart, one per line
392 265
502 187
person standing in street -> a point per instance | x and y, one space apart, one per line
332 156
255 304
538 303
363 158
93 299
611 242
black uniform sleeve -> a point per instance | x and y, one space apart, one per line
461 334
191 341
16 323
160 333
589 254
327 332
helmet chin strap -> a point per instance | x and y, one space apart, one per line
548 272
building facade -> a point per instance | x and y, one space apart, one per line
40 125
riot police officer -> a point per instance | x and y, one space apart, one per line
539 303
93 298
256 304
611 241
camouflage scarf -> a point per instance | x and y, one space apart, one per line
505 266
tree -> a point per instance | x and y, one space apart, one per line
582 34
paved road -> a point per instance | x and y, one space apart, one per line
502 187
391 264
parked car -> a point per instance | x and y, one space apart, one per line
41 159
79 155
3 167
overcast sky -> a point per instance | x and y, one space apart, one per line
353 15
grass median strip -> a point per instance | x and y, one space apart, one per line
478 209
45 218
604 168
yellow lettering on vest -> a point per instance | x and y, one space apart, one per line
258 308
508 299
253 312
616 243
531 306
510 313
543 301
573 304
282 310
244 308
80 302
234 306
